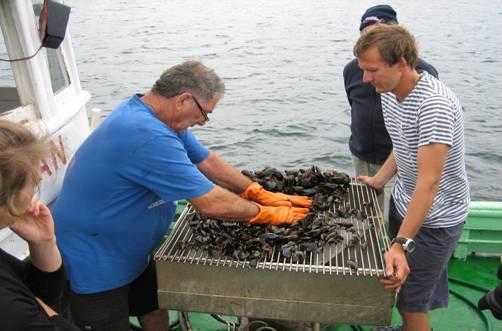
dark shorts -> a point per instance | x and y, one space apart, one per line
427 285
110 310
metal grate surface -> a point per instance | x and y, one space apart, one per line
337 284
341 258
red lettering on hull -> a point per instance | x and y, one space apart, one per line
57 153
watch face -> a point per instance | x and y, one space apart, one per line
410 245
407 243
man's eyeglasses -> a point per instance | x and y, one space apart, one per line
202 111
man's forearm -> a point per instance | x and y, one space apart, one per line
222 204
387 170
223 174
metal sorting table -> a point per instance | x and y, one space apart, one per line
338 284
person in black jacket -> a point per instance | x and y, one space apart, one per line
27 289
369 141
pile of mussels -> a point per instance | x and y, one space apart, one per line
324 224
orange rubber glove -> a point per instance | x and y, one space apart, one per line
257 193
278 215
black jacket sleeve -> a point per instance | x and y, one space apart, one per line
422 65
20 282
48 286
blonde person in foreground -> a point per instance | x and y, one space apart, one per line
27 288
430 200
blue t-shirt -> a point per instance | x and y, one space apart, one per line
119 195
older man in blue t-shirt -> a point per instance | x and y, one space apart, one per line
120 191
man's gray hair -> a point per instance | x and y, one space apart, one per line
189 76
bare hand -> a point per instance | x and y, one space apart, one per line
48 310
396 268
371 181
36 225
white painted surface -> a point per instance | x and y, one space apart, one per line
63 116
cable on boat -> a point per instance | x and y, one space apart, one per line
253 323
469 284
256 325
473 305
184 321
22 58
174 324
231 326
219 318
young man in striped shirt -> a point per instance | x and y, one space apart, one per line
430 200
369 141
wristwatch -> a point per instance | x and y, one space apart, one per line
407 243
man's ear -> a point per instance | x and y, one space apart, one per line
403 64
182 98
